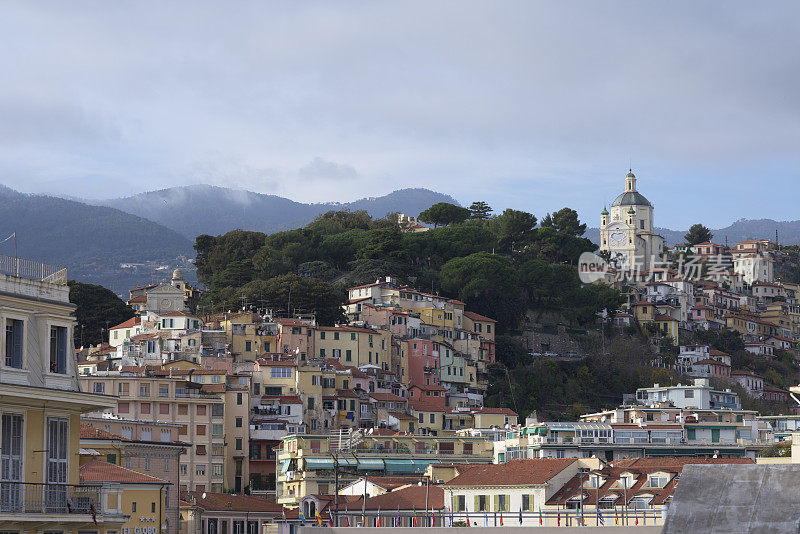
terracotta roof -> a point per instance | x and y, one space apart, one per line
290 322
239 503
402 416
405 499
177 314
345 328
478 317
745 373
709 361
503 411
662 317
715 352
140 337
513 473
428 387
138 299
283 399
100 471
345 393
133 321
387 397
279 363
90 432
419 405
391 483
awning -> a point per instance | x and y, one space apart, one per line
399 466
285 466
347 462
319 463
421 465
370 464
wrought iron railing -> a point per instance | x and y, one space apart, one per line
30 498
34 270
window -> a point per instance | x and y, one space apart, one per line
163 408
238 399
238 422
144 390
311 403
58 349
238 444
216 470
480 503
201 409
183 409
201 450
163 390
217 429
147 434
133 506
166 464
201 430
57 450
147 464
166 435
280 372
123 388
527 502
460 503
14 343
689 394
200 470
145 408
123 407
99 387
184 470
421 417
433 418
217 410
248 346
657 481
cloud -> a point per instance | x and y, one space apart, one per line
321 169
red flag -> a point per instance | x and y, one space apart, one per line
347 520
501 519
415 521
558 519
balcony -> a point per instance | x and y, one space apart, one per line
33 270
35 500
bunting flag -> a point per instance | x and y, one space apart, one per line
318 517
520 515
600 518
347 520
616 517
378 518
302 515
467 516
330 519
541 519
635 516
451 515
399 519
558 519
485 518
501 519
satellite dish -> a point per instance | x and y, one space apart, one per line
204 495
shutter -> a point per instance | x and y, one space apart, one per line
496 503
62 349
476 508
18 327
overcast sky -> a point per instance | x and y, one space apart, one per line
530 105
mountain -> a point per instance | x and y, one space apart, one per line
91 241
205 209
788 232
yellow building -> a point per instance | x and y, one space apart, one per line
250 335
137 497
306 464
40 405
354 345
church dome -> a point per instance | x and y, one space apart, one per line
177 274
631 198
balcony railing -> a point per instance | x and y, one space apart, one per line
34 270
29 498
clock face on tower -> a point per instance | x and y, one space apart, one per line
617 235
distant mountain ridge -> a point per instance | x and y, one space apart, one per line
788 232
206 209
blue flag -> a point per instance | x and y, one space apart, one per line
520 515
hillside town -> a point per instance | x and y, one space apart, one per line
250 420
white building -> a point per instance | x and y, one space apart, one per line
754 267
627 231
699 395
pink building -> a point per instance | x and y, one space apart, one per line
423 362
295 336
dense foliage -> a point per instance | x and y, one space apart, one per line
500 266
97 309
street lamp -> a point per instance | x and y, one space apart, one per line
427 490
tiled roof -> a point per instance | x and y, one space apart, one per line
133 321
405 499
423 406
90 432
100 471
226 501
513 473
709 361
177 314
478 317
138 299
387 397
498 411
283 399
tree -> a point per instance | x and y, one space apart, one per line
488 284
565 221
698 234
480 211
96 306
443 214
514 229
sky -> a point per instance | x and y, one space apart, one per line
528 105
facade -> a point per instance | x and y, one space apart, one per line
222 513
697 395
627 231
40 406
210 407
